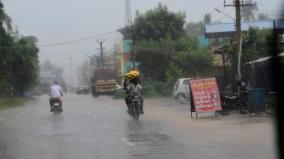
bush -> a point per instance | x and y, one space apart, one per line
150 89
119 94
10 102
157 89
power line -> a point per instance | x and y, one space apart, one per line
227 15
76 40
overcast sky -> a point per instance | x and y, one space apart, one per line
53 21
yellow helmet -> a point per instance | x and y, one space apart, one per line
132 74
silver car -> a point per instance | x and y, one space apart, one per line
181 90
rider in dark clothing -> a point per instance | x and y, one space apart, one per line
127 86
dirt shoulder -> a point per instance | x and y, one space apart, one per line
230 129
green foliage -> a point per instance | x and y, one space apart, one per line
195 63
18 59
12 102
119 94
256 43
155 88
194 29
167 51
157 55
158 23
4 18
263 16
207 18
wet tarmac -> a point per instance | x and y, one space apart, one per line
100 128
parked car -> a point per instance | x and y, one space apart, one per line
181 90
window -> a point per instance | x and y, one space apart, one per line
186 82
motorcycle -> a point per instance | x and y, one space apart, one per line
56 104
134 105
234 99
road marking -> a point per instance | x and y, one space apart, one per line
128 143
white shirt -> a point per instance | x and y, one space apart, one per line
55 91
131 87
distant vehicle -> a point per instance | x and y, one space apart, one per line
83 90
103 81
181 89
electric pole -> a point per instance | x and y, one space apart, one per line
70 58
100 42
130 29
237 4
91 58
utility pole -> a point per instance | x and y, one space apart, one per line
130 29
70 58
91 58
100 42
11 73
237 4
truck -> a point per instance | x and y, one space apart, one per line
103 81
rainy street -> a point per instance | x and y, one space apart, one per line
100 128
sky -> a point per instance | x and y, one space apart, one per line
56 21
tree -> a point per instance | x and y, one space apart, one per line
256 44
194 29
207 19
263 16
18 59
156 34
158 23
4 18
194 63
84 73
24 64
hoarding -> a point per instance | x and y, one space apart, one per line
205 95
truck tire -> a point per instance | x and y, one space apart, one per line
94 92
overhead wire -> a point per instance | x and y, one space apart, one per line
77 40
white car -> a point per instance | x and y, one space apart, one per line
181 89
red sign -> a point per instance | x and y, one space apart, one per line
205 95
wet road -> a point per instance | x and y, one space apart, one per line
99 128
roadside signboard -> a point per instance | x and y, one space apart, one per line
205 95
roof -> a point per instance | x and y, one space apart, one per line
264 59
228 29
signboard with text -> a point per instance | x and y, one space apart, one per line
205 94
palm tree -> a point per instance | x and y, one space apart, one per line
5 20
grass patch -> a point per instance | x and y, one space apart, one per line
10 102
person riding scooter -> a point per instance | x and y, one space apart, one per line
55 94
132 83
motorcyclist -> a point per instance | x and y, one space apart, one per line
55 93
132 83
